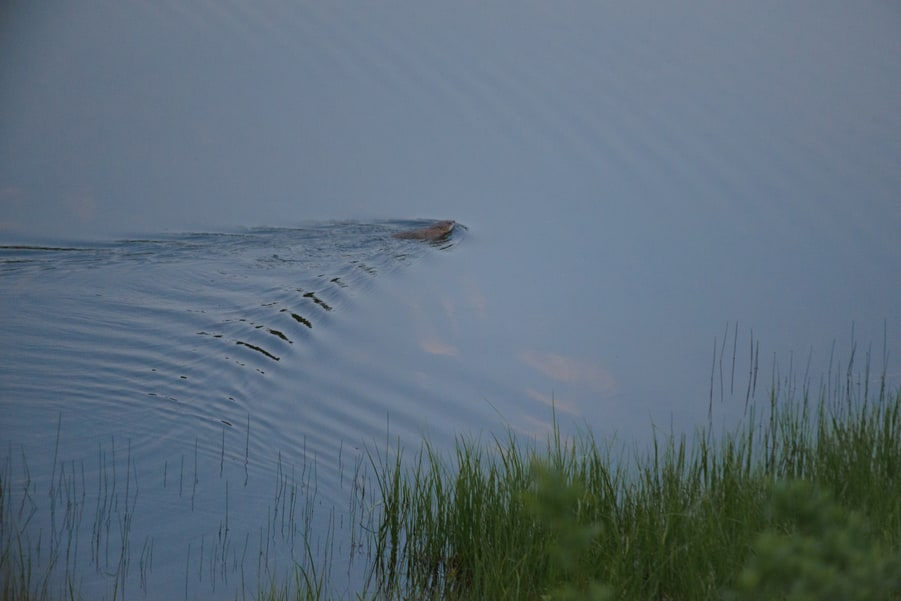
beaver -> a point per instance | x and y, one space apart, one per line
437 231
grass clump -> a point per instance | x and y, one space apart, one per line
803 505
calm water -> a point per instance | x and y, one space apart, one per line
643 193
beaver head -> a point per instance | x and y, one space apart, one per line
437 231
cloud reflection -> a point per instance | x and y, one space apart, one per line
571 370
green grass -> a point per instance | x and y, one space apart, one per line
802 503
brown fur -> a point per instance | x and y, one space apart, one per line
437 231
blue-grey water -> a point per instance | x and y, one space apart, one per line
207 326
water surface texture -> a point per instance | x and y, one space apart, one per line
207 322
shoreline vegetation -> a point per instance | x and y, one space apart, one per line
804 503
801 502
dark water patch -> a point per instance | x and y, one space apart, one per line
300 319
312 296
257 349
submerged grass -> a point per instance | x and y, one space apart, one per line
803 502
80 545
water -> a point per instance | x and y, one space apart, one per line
644 192
208 371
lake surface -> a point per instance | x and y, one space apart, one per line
208 327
